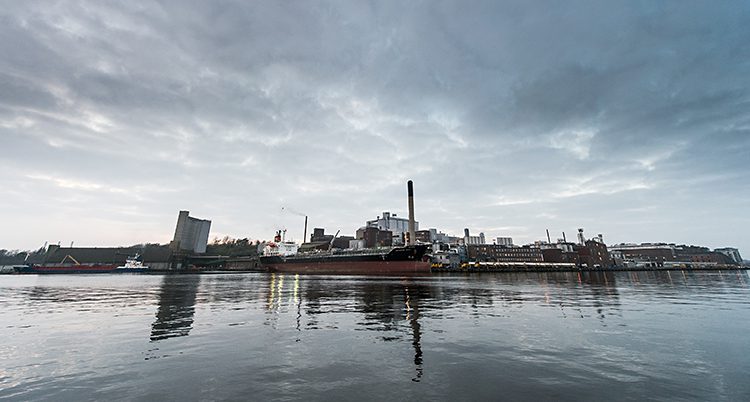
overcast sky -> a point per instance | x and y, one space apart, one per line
630 119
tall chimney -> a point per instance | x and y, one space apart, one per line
549 241
412 230
304 236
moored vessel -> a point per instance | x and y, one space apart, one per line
132 264
396 261
69 265
68 269
410 259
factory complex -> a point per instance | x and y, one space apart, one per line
190 250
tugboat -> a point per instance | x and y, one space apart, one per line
132 264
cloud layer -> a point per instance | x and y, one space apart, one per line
628 119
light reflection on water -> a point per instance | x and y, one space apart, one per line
626 335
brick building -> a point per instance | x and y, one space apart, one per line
498 253
374 237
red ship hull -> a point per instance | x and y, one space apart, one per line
70 269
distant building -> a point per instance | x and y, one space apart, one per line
651 254
396 225
191 234
321 241
374 237
424 236
497 253
393 223
504 241
436 237
560 255
732 253
594 253
659 254
319 235
469 240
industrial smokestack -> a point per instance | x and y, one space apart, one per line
564 239
549 241
412 230
581 238
304 236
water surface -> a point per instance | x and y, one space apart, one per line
563 336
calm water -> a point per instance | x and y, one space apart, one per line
621 336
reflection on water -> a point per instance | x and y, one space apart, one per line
393 307
624 335
412 308
174 316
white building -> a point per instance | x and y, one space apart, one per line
468 239
504 241
393 223
475 239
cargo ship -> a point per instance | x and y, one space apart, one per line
379 261
282 256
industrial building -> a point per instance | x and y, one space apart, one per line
319 240
396 225
497 253
468 239
732 253
375 237
504 241
663 254
191 234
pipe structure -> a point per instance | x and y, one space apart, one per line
412 230
304 236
